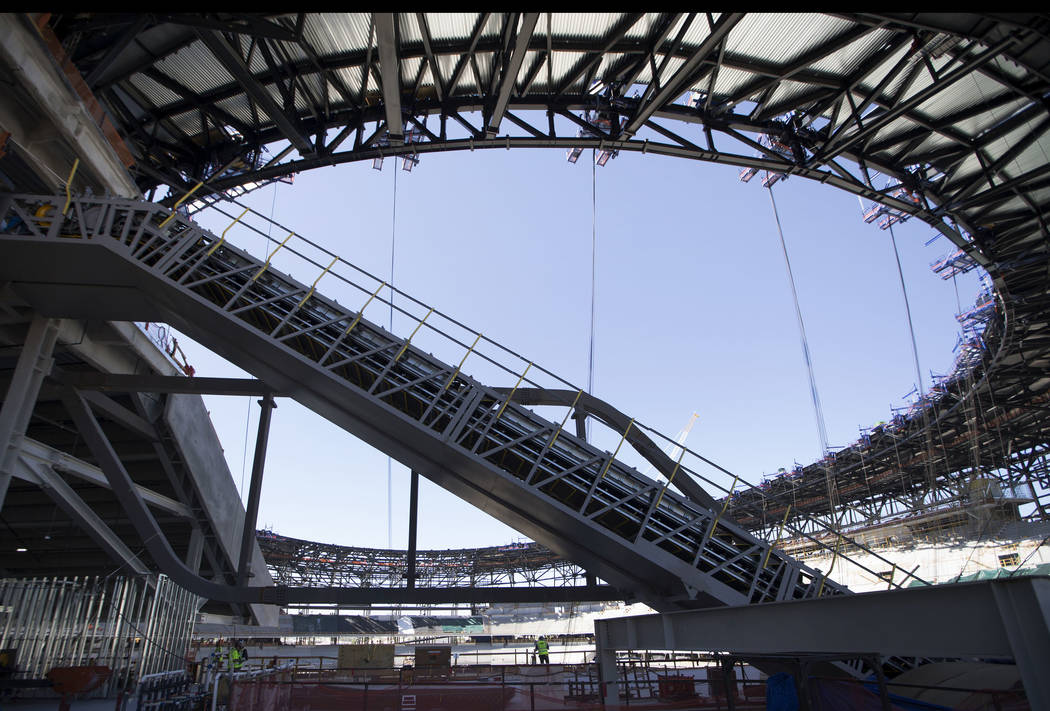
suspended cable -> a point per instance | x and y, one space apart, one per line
594 274
248 414
907 311
817 410
389 459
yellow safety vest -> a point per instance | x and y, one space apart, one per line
541 646
235 659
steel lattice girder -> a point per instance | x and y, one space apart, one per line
884 91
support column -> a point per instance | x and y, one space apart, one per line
251 511
195 551
413 516
34 363
1025 614
607 674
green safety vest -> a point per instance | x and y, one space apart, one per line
235 659
541 646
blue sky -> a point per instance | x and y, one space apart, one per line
694 314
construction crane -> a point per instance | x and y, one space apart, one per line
674 450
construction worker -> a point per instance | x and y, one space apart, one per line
236 660
217 656
542 649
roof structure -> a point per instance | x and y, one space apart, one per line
938 117
953 107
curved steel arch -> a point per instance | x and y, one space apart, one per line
951 107
198 97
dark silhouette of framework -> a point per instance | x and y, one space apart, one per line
297 562
650 83
848 95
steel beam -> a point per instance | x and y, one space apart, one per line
251 511
390 72
41 454
413 515
678 83
1008 617
510 72
34 363
229 58
109 382
83 515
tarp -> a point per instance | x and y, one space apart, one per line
781 694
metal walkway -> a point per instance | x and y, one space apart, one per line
119 259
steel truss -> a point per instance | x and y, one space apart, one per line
680 84
297 562
664 548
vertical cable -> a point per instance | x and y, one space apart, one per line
248 414
918 370
817 410
594 274
389 459
907 311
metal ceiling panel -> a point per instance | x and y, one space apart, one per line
584 25
782 37
158 95
195 68
332 33
445 26
848 59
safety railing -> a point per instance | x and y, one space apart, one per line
491 362
410 374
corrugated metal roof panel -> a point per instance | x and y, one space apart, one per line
782 37
1035 156
729 80
851 57
188 122
583 25
237 106
698 30
978 124
969 91
446 26
156 94
408 28
331 33
196 68
786 91
562 63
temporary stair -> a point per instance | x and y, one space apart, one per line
120 259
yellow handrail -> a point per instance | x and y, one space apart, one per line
182 199
566 419
460 366
362 311
314 285
780 532
725 505
512 391
276 249
69 181
223 237
608 464
418 326
670 478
